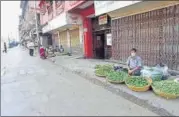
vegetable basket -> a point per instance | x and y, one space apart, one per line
141 89
163 94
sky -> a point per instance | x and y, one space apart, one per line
10 11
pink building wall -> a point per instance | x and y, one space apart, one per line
67 5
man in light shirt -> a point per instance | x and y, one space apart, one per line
134 63
31 48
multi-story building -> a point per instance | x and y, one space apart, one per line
27 30
109 29
150 26
66 21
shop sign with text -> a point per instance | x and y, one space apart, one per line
103 19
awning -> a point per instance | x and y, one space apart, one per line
63 20
140 7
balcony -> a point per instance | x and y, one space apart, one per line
60 7
50 12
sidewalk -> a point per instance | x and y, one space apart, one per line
85 68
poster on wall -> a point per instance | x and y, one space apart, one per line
109 39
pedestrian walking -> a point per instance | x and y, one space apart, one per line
31 48
42 53
5 47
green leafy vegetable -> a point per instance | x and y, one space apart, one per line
117 76
167 86
102 70
137 81
98 66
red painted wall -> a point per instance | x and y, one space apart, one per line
88 11
88 39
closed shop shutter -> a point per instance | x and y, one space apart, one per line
75 42
63 40
55 39
155 34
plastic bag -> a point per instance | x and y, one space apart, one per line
150 72
162 68
117 68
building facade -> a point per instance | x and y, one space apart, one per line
109 29
65 20
27 28
152 27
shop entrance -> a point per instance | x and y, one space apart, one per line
101 27
99 45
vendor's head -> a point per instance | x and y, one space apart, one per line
133 52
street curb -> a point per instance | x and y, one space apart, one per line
119 92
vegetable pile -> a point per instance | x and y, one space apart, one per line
157 78
102 70
167 86
137 81
117 76
107 66
98 66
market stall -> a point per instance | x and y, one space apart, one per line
156 78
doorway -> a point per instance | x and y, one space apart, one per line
99 45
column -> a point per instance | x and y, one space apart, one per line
81 37
69 41
87 38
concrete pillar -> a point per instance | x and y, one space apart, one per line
69 41
59 41
81 37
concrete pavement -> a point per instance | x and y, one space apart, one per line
85 68
32 86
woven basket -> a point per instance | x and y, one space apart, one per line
164 95
115 82
140 89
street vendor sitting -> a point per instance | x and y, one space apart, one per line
134 63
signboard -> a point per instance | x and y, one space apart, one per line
62 20
109 39
102 7
55 23
74 18
103 19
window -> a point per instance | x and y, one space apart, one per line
58 3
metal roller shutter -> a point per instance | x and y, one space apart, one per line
155 34
63 40
75 42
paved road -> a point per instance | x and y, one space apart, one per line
31 86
